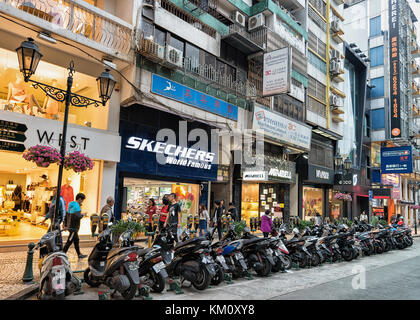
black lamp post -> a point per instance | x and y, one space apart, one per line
29 56
344 168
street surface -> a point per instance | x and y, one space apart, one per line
392 275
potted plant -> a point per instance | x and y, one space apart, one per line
121 226
43 156
78 162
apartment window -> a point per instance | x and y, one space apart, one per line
176 43
320 6
378 90
376 56
366 126
289 107
375 26
317 107
317 45
317 62
316 89
378 118
321 155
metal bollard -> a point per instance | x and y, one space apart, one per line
28 275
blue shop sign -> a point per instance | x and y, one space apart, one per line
397 160
181 93
140 152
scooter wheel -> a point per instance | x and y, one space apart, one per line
288 264
266 268
202 279
158 281
218 278
88 279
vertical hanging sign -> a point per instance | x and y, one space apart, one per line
394 58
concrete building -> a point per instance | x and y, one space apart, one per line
385 32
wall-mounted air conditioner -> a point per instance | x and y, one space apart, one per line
333 100
336 25
256 22
239 18
335 66
173 56
335 54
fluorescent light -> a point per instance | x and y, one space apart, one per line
46 37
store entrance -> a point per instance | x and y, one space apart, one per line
258 197
21 216
137 193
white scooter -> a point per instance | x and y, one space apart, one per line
57 280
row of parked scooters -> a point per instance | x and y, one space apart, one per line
201 261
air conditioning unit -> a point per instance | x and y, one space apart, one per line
152 48
335 54
334 67
333 100
173 56
239 18
149 3
256 22
336 25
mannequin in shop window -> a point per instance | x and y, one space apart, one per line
67 192
51 106
20 99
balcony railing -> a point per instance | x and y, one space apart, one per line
207 73
247 42
80 18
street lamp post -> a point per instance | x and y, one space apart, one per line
344 168
29 57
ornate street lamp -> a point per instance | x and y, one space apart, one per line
29 56
338 161
347 164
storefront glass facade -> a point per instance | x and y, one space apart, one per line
313 202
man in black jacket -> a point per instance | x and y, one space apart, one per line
217 217
233 211
74 215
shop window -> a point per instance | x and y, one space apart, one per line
19 96
313 201
139 191
22 221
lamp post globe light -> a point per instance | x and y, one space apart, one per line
29 57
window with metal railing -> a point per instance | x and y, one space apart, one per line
316 107
289 106
320 6
317 19
316 89
321 155
317 45
317 62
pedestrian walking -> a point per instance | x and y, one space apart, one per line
233 211
107 209
55 221
74 215
222 205
164 212
204 220
216 219
266 223
174 217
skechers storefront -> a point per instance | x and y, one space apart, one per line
161 154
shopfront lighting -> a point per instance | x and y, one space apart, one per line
347 164
338 161
106 84
29 57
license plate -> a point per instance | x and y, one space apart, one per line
239 256
221 259
159 266
59 278
269 251
133 266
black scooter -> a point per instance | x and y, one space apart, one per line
117 268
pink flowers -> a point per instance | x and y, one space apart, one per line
43 156
343 196
78 162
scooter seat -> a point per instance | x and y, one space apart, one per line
253 240
143 251
189 241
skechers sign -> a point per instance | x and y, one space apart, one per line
181 93
175 155
397 160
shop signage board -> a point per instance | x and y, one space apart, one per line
12 136
277 71
9 125
11 146
95 143
278 127
394 59
254 176
397 160
384 193
318 174
173 90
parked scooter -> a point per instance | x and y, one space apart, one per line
57 280
191 259
117 268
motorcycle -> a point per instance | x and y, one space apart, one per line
191 259
117 268
57 280
280 253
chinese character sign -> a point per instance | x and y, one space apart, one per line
394 69
397 160
181 93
